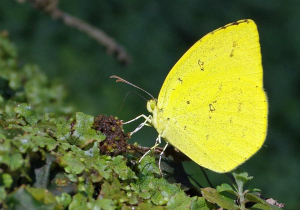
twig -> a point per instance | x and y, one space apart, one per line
50 7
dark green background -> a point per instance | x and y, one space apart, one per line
156 34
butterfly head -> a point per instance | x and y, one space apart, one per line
151 104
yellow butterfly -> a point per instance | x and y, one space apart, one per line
212 106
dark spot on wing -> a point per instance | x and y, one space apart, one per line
211 108
231 53
240 107
180 80
220 87
234 45
201 65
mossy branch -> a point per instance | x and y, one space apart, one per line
64 160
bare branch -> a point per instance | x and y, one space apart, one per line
50 7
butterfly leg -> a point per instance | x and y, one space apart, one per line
157 142
160 155
138 117
147 120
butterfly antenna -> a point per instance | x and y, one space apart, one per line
119 79
122 103
141 96
126 98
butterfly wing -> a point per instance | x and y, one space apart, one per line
212 106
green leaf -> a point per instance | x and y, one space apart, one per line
227 188
201 204
64 200
79 132
241 178
85 186
260 203
83 130
6 179
182 201
32 198
79 202
147 206
102 167
63 132
32 141
27 113
71 164
2 194
113 191
214 197
159 191
148 166
10 156
105 204
42 195
15 161
120 167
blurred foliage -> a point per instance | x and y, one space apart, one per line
156 34
51 158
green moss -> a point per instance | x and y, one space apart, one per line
53 158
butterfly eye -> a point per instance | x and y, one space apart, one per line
151 104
